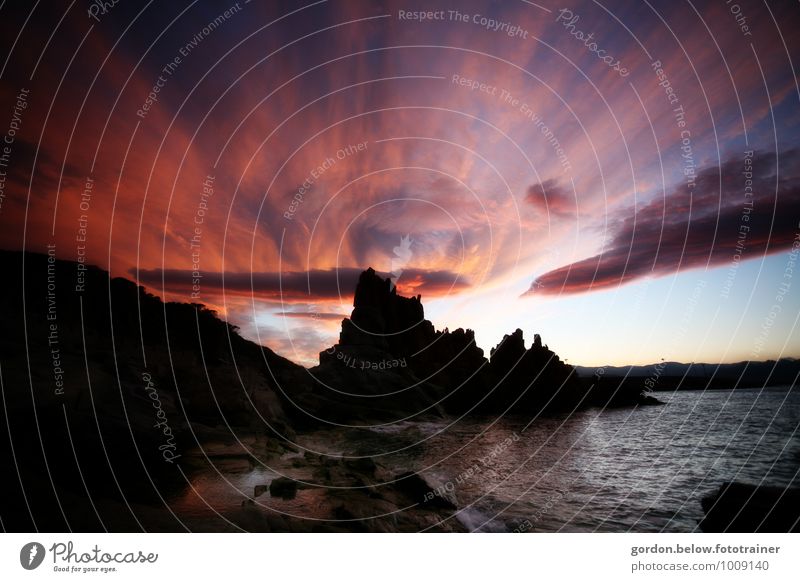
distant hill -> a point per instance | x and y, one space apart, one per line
783 372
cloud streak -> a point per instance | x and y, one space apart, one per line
552 199
292 287
743 208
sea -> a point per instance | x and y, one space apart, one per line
642 469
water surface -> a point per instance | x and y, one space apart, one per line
630 469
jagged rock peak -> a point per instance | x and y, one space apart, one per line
511 344
373 290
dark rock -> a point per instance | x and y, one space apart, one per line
342 472
260 490
391 363
612 392
743 508
531 380
283 487
509 351
418 490
364 465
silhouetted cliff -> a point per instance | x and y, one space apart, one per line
390 362
114 399
108 390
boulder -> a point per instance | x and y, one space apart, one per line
744 508
283 487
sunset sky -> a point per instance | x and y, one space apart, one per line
631 196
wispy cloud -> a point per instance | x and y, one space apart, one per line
292 287
704 227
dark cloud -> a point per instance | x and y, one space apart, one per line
311 315
316 284
50 170
706 227
551 199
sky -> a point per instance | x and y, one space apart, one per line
622 178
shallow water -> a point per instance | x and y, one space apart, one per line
643 469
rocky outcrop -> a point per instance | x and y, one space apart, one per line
107 389
532 379
391 363
121 398
283 487
745 508
348 495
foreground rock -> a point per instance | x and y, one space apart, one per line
743 508
283 487
347 495
112 388
614 392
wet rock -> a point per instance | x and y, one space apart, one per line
283 487
743 508
365 465
418 490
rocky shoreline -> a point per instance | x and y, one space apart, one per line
148 390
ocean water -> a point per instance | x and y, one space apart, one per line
630 469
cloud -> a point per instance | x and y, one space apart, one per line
298 286
303 344
311 315
706 227
551 199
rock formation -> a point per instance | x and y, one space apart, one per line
391 363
